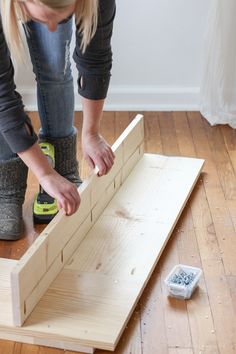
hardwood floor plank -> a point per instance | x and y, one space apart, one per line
168 134
122 120
176 317
47 350
190 247
232 286
6 347
229 136
221 217
208 230
29 349
180 351
154 337
153 142
221 160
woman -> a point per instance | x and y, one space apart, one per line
48 28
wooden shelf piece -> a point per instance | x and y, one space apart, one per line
39 266
88 290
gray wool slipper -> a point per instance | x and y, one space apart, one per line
13 178
11 221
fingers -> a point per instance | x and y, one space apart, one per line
76 201
69 201
106 162
98 153
65 192
90 162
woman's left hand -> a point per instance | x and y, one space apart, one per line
97 152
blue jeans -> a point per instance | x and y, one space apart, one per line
50 56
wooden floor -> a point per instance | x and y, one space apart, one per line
205 236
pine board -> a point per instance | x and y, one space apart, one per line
39 266
91 300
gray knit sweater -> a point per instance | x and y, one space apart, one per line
94 66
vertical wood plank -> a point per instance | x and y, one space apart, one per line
190 252
221 160
181 351
219 210
152 133
29 349
176 317
6 347
154 337
210 230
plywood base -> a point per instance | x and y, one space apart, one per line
90 302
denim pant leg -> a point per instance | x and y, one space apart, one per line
50 56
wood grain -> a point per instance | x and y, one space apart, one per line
91 300
193 232
39 266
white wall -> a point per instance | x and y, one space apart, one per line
157 46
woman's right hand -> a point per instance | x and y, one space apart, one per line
65 192
55 185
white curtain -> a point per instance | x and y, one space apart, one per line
218 88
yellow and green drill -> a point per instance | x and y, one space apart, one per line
45 207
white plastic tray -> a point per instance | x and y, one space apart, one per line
183 290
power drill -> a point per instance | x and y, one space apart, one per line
45 207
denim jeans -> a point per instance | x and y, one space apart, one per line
50 56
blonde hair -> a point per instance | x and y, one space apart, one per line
86 15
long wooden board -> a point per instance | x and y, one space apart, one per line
39 266
91 300
7 330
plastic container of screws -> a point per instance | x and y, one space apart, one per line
182 281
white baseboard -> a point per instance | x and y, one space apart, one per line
141 98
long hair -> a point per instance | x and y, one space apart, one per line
86 16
